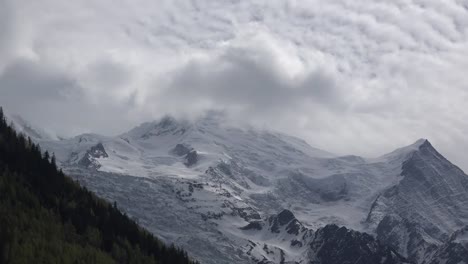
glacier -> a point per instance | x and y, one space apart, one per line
246 195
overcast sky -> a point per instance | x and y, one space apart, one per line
348 76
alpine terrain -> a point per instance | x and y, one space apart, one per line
46 217
231 195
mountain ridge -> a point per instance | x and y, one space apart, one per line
236 177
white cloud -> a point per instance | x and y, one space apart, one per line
6 30
349 76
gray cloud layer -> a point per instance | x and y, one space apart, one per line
251 81
348 76
6 33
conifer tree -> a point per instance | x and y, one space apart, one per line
46 217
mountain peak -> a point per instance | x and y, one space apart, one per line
401 154
416 145
167 121
426 144
420 142
170 125
167 125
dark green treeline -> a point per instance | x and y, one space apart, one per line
46 217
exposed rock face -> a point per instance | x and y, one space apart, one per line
255 225
429 203
89 159
190 155
98 151
181 150
331 244
275 236
191 158
337 245
454 251
285 217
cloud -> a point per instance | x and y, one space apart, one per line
25 80
252 80
350 77
6 29
55 99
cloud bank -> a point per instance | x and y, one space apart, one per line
348 76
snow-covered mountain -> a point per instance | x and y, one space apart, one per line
425 208
218 191
23 126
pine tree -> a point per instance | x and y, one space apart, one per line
46 217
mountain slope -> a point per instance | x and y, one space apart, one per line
198 183
283 239
24 127
425 208
454 251
45 217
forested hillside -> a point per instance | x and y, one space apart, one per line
46 217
